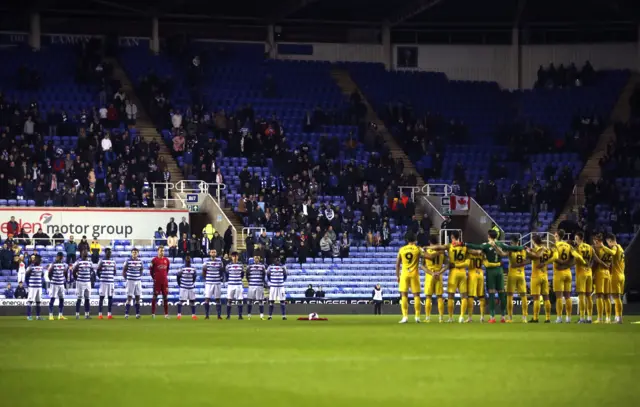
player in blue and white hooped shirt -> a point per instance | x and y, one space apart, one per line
256 274
276 276
213 276
34 276
187 283
81 271
107 273
57 276
132 273
235 292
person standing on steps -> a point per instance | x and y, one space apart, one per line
377 300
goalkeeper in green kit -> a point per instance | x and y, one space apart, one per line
494 251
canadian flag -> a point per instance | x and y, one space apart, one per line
459 203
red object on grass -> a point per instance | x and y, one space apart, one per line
314 319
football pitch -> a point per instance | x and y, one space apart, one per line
347 361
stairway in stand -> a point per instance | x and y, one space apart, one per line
591 170
149 132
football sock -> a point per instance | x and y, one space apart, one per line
87 305
470 307
589 306
451 303
249 307
51 301
463 306
219 308
536 309
510 306
138 308
78 302
482 304
618 304
283 308
600 307
270 309
109 304
37 309
503 302
547 309
228 310
582 305
525 305
165 304
404 306
569 307
417 305
607 307
180 308
441 307
100 302
559 307
427 307
127 308
207 308
240 309
193 309
29 309
492 305
153 306
60 305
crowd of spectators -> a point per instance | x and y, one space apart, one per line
562 77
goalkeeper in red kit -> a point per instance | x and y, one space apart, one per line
160 275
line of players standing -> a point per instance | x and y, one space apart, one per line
214 273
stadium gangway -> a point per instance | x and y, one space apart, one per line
445 235
251 230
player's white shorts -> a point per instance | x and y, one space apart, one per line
134 288
187 294
277 294
235 292
21 276
35 294
255 293
56 291
212 290
83 289
106 289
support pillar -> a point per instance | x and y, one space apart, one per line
387 49
34 32
515 67
272 47
154 44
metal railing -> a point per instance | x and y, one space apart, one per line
164 191
437 189
409 191
509 235
445 235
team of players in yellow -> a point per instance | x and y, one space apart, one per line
599 269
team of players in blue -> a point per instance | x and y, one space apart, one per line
214 274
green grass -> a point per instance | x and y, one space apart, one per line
348 361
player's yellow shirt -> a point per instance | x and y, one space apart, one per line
458 256
615 255
476 261
587 255
546 254
605 257
516 258
564 253
436 263
410 256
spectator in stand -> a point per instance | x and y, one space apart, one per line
176 120
12 226
183 246
310 292
194 246
132 112
184 227
172 228
160 239
21 292
83 245
95 249
345 245
70 248
6 257
172 243
8 292
217 243
320 293
326 246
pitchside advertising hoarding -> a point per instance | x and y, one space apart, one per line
111 223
